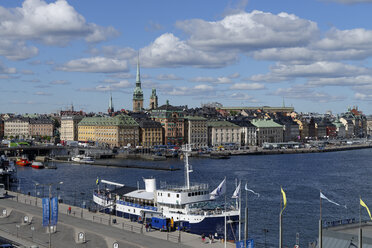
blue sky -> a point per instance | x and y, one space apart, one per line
314 54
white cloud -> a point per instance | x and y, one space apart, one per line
223 80
169 51
7 70
363 96
110 86
242 96
247 86
54 23
234 75
303 92
250 31
16 50
341 81
60 82
202 80
322 69
95 64
168 77
201 89
42 93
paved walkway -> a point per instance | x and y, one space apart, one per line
98 228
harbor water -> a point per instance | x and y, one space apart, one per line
342 177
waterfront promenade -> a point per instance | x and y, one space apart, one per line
99 229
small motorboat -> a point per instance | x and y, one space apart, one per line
37 165
83 159
23 162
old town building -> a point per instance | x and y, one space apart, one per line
69 127
268 131
138 93
223 133
172 120
153 100
41 127
151 133
196 131
121 130
17 127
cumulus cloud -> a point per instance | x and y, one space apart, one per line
7 70
169 51
341 81
363 96
59 82
282 72
242 96
247 86
95 64
223 80
168 77
202 79
16 50
54 23
201 89
305 93
250 31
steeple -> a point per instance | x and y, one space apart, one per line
138 93
111 106
138 77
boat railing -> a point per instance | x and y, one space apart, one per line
193 187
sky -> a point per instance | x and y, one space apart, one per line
314 55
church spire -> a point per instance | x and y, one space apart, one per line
111 106
138 78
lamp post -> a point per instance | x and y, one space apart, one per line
50 212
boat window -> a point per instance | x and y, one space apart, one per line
189 194
178 195
168 194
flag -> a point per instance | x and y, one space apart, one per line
97 181
236 192
364 205
284 200
220 190
246 188
325 198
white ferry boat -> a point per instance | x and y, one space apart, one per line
83 159
187 207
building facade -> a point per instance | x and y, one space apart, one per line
221 133
151 133
17 127
268 131
247 132
172 121
1 128
138 93
41 127
69 127
196 131
121 130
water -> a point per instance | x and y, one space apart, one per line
342 177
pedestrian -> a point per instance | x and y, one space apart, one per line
203 237
147 227
210 238
69 210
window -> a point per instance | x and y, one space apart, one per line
168 194
178 195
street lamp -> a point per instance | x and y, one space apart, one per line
50 212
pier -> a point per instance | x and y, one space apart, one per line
21 222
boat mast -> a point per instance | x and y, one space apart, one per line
186 150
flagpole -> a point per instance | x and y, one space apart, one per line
320 222
246 219
280 224
240 204
360 224
225 216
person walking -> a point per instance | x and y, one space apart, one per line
203 238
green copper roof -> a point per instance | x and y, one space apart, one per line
195 118
120 120
265 123
221 124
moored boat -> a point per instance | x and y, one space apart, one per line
191 207
83 159
37 165
23 162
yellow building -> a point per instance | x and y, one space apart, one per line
121 130
151 133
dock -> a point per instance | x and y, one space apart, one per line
98 229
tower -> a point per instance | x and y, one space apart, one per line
111 106
153 100
138 93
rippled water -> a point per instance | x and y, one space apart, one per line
342 177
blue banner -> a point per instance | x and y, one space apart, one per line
46 210
53 211
240 244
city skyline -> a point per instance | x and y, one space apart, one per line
314 55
